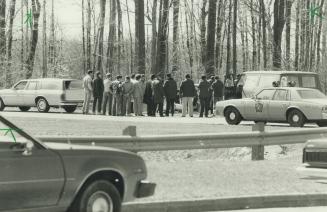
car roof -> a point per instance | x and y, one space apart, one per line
278 72
50 79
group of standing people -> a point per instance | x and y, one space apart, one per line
121 97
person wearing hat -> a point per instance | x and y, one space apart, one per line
170 88
88 88
97 92
107 95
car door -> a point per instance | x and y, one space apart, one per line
28 180
278 105
29 93
257 108
14 97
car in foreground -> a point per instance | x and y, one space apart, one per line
292 105
43 94
37 176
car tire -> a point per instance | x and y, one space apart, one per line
322 123
42 105
100 194
2 105
24 109
233 116
296 118
70 109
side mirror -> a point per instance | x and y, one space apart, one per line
25 148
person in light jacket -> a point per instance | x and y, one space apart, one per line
127 88
88 89
107 95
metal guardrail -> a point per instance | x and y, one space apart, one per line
257 139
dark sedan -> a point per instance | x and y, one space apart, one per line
38 176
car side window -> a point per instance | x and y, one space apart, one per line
32 85
266 94
281 95
21 85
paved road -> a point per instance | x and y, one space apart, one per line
303 209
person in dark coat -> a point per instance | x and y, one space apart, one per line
98 89
218 90
211 81
170 88
158 95
148 96
187 93
204 95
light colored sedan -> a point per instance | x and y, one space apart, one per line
43 93
293 105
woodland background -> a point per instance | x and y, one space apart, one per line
213 37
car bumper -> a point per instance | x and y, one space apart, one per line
145 189
71 103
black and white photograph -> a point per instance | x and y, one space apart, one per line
163 105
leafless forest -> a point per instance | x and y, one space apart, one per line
160 36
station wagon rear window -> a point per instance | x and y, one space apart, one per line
48 85
309 82
73 84
311 94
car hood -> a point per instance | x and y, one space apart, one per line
317 101
64 146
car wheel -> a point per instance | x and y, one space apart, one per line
2 105
322 123
232 116
296 118
98 196
42 105
24 109
70 109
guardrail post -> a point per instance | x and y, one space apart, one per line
130 130
258 152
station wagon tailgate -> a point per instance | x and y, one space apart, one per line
73 90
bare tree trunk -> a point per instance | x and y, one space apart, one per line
154 37
318 38
254 43
22 50
162 40
307 37
88 36
111 38
302 35
9 46
279 22
288 33
44 42
203 32
52 43
175 67
101 31
83 37
297 32
234 40
264 33
210 59
36 8
189 41
220 21
120 35
2 38
228 65
139 37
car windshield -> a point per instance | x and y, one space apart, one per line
311 94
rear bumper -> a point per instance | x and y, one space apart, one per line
145 189
71 103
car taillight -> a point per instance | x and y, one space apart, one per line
63 96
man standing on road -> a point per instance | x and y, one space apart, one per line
87 85
218 91
138 96
127 95
187 92
204 95
170 88
107 95
148 96
97 93
158 95
211 81
117 96
133 81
